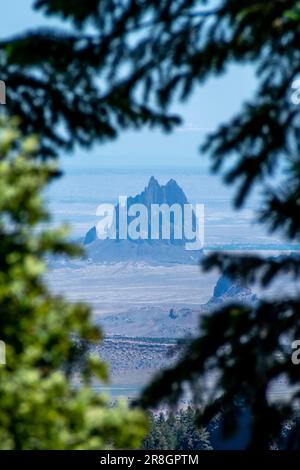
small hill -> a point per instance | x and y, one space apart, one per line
227 290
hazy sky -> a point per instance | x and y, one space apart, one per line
74 197
211 104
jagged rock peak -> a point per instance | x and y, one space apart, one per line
170 193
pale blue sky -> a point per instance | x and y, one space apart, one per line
210 105
75 196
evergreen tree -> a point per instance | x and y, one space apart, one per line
176 431
120 65
190 437
42 406
247 348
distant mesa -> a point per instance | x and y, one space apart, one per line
150 250
228 290
177 320
174 321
